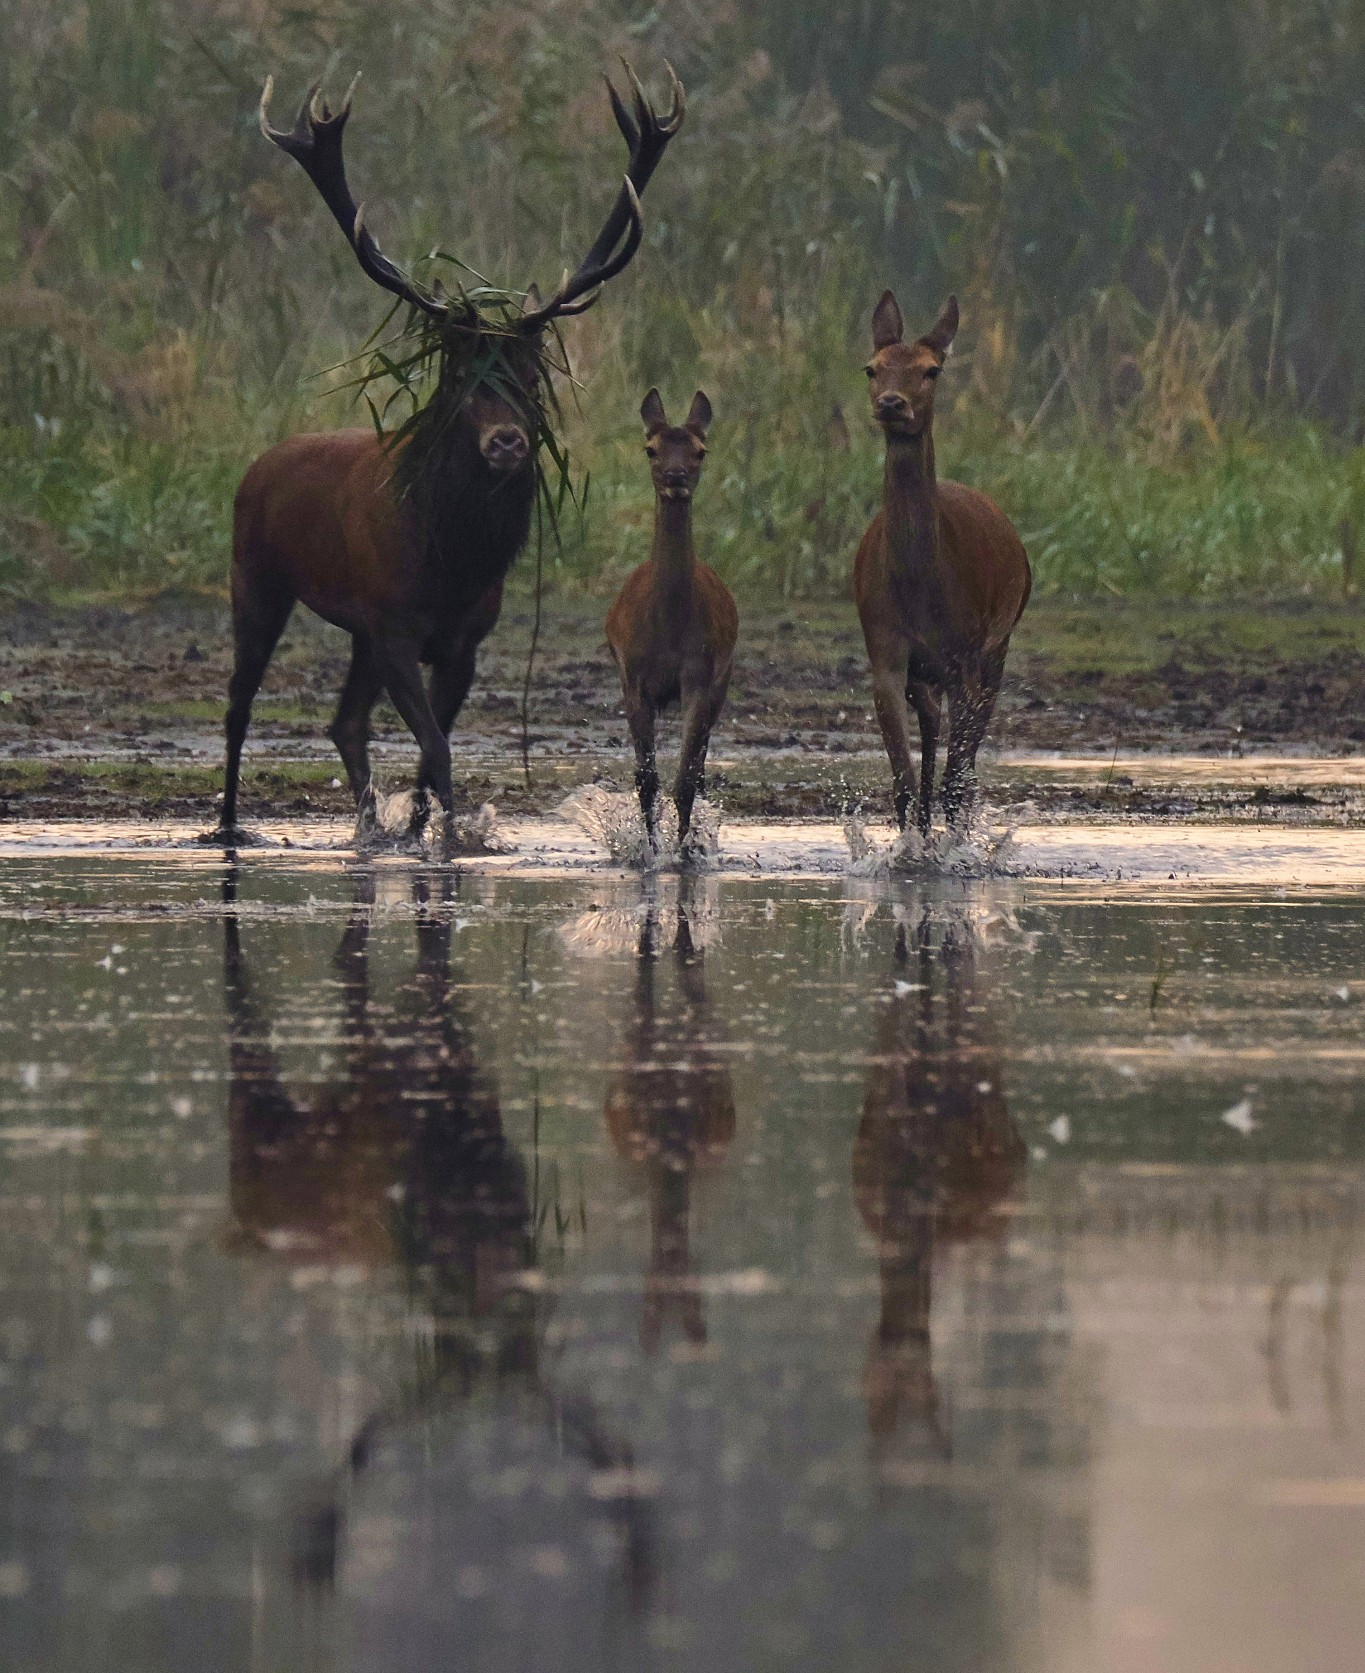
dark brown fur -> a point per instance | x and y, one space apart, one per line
940 579
673 627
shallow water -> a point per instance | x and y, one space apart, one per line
404 1269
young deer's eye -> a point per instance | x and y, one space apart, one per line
931 372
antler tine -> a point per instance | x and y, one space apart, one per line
315 144
647 134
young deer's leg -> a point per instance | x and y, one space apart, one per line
257 625
640 719
893 716
930 711
350 729
398 663
701 710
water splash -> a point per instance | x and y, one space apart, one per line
613 819
409 822
978 848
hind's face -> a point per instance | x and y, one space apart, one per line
901 380
675 458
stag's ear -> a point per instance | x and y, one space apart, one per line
699 418
653 414
940 335
887 324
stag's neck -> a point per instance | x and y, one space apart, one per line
673 554
910 502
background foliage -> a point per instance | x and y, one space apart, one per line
1154 214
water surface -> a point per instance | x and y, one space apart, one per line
407 1270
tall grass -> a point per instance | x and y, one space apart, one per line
176 292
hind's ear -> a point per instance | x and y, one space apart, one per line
888 325
940 335
653 414
699 418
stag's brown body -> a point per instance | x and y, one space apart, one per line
940 580
673 627
415 574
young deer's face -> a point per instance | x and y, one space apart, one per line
901 376
675 452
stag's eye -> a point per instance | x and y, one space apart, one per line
701 453
871 371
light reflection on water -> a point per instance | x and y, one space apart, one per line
402 1270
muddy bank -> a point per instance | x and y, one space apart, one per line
109 712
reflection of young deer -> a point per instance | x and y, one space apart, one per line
671 1109
403 1161
935 1159
673 627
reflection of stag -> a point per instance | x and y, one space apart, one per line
935 1158
404 1162
670 1108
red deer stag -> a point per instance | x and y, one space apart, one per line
406 546
673 626
940 579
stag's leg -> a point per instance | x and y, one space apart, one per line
701 710
640 719
929 709
893 716
257 625
350 730
400 667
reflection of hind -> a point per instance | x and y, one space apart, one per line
671 1108
935 1159
404 1162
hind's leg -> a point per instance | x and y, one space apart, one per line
257 625
640 719
971 707
701 710
929 709
350 730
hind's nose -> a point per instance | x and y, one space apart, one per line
891 405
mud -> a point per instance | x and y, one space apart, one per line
117 714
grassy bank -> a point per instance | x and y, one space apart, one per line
90 511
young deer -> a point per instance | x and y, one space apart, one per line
940 579
673 627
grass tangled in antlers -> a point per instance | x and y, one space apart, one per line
433 365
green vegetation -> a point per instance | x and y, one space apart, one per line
1153 217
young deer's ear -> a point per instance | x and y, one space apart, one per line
699 419
940 335
887 324
653 414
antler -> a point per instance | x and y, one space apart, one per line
647 134
315 144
